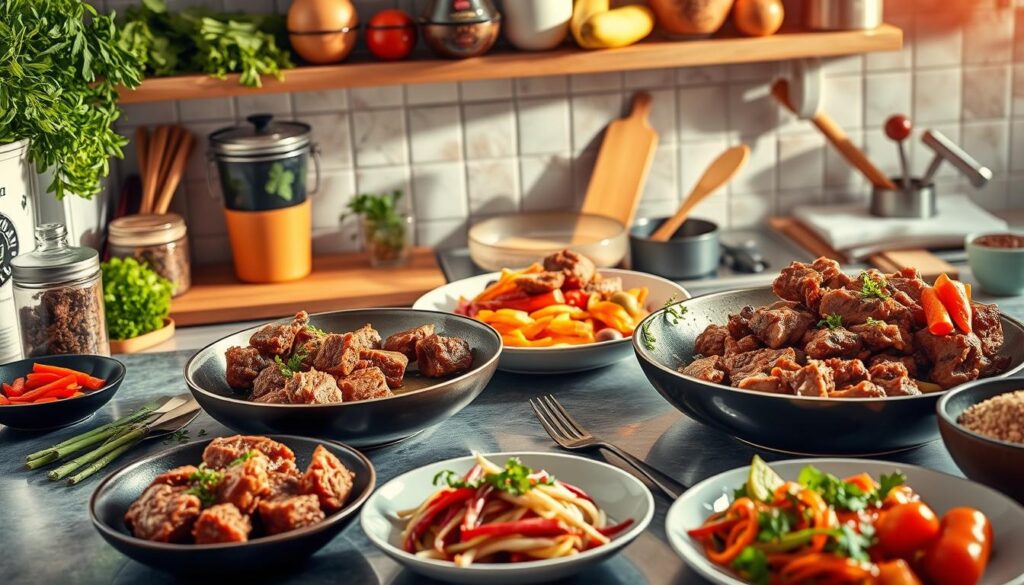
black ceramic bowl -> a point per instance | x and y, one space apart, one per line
794 424
998 464
116 493
421 403
68 411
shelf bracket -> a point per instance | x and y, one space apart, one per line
805 87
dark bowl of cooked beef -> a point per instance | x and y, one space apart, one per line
162 531
404 392
43 416
986 436
781 377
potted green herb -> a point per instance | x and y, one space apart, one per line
61 64
137 302
386 232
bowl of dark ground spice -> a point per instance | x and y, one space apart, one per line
982 425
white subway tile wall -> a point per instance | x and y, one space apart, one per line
469 150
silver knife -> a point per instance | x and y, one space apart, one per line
173 420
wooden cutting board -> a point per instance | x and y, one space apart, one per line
344 281
622 164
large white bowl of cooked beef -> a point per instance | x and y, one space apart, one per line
366 377
774 373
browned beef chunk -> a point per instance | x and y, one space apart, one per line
847 372
907 281
604 285
440 356
243 365
909 362
327 479
894 379
273 340
306 346
862 389
578 269
392 363
987 326
956 358
364 384
814 379
223 450
711 341
313 387
752 363
283 483
741 345
801 283
405 341
245 482
832 343
338 354
279 396
176 477
772 384
832 275
881 336
855 309
739 324
270 381
707 368
163 513
285 513
540 282
779 327
366 337
221 523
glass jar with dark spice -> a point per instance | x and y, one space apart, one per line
158 240
59 296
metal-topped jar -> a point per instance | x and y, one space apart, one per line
158 240
58 292
262 166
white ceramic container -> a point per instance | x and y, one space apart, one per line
537 25
17 222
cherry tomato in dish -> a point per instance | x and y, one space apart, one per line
960 554
391 35
906 528
896 572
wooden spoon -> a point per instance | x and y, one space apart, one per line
719 173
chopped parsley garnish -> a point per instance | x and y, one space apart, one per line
875 322
294 364
752 565
673 314
872 288
774 524
316 330
854 544
833 321
648 338
886 483
514 479
845 495
243 458
179 436
204 484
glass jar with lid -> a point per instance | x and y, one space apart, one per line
58 292
158 240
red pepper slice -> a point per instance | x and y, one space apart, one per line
474 507
610 531
535 302
577 298
576 491
531 527
441 503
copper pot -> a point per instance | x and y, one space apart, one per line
691 17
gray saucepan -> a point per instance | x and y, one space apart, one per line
421 403
795 424
693 251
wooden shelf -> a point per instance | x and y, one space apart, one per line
793 44
344 281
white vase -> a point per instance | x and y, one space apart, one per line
17 225
536 25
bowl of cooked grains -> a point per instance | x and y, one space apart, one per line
982 425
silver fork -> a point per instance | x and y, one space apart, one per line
571 435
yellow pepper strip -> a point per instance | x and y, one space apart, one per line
570 328
615 316
511 317
570 340
506 282
556 309
533 330
517 339
640 294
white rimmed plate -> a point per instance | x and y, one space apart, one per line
564 359
939 490
618 493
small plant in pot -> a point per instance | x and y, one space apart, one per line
386 232
137 302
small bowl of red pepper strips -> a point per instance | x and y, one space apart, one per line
55 391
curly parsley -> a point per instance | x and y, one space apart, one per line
204 484
514 479
833 321
752 564
870 288
875 322
243 458
294 363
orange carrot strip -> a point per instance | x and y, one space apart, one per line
45 399
84 379
3 400
935 313
7 389
44 390
954 298
35 380
17 388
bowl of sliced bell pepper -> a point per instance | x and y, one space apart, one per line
56 391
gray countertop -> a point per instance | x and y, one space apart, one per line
46 535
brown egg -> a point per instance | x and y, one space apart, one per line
316 29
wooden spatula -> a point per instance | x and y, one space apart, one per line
622 165
717 174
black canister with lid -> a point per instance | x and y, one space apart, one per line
58 292
262 166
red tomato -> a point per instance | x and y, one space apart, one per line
896 572
906 528
960 554
391 35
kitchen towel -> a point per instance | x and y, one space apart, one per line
852 230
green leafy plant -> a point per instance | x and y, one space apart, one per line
136 299
60 65
198 39
279 181
383 223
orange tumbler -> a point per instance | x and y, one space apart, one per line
271 246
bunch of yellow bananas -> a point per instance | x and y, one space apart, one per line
596 26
